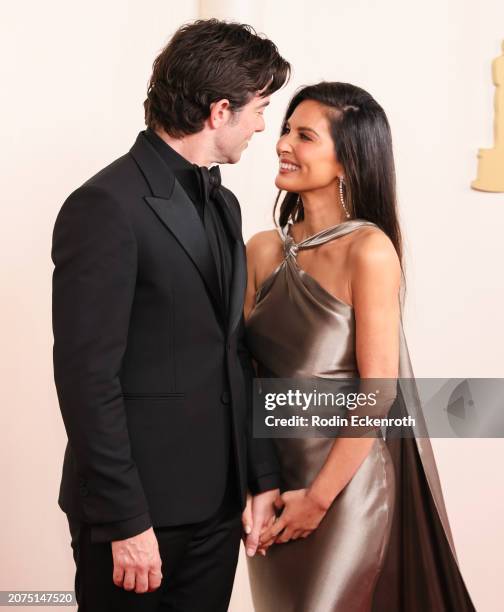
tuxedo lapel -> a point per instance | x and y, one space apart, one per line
239 276
228 214
238 286
176 211
180 217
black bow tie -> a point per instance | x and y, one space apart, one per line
211 179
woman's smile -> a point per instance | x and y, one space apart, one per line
287 166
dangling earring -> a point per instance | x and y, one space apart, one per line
342 199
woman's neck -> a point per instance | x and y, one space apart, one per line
321 210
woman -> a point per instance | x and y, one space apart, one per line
363 523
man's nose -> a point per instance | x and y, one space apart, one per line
260 126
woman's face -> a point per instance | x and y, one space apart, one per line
306 151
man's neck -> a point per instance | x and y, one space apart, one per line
196 148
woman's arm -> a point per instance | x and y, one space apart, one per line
259 512
375 284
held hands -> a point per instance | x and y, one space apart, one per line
258 515
302 513
137 564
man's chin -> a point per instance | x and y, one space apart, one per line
235 158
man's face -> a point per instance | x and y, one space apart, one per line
233 137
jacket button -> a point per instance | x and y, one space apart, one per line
83 490
225 397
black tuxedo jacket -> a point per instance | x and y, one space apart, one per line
153 380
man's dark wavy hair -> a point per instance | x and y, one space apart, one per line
206 61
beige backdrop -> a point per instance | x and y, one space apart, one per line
73 79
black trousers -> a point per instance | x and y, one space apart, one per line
198 565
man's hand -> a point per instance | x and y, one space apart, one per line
137 564
259 514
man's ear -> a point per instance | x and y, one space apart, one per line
220 113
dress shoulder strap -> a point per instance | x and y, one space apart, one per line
325 235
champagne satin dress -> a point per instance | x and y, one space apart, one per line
385 543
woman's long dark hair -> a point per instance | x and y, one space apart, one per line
363 146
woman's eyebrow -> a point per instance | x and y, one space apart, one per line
307 129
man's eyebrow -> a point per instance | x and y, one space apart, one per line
264 104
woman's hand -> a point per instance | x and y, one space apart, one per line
302 514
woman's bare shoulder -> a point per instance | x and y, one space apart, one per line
372 246
264 245
264 254
373 259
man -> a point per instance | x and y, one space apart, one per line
152 376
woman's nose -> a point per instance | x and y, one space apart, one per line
283 144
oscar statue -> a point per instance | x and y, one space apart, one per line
491 161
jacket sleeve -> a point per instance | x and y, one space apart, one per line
94 253
263 468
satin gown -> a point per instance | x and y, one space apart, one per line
385 543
